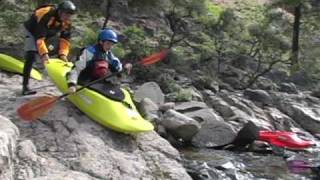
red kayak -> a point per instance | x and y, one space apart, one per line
285 139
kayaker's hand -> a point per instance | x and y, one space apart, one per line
72 89
45 58
128 67
63 58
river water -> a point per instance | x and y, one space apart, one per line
207 164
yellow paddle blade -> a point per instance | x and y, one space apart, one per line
36 108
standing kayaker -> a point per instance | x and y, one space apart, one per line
46 21
96 61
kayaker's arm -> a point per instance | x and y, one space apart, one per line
79 65
42 18
116 65
64 41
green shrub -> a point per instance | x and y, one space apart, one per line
213 9
118 51
137 43
89 37
184 95
11 19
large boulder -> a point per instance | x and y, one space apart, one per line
213 134
180 125
149 90
9 134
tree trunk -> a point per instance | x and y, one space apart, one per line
295 36
108 13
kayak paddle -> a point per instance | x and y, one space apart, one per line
40 106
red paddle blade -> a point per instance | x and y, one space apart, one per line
36 108
154 57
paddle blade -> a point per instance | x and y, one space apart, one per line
154 57
36 108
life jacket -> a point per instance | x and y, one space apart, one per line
46 5
45 23
100 68
96 67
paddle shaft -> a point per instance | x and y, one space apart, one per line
89 84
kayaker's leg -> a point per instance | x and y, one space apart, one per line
30 58
30 50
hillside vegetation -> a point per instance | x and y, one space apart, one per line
210 36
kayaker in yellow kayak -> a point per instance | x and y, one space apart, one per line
45 22
96 61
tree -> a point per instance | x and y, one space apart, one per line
180 15
108 5
295 7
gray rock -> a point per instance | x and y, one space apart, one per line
203 83
27 150
308 118
68 175
196 95
149 90
204 115
149 109
289 88
9 134
220 106
214 134
166 106
190 106
259 96
180 125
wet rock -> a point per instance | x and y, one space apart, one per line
214 134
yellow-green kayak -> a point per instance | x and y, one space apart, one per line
11 64
119 115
